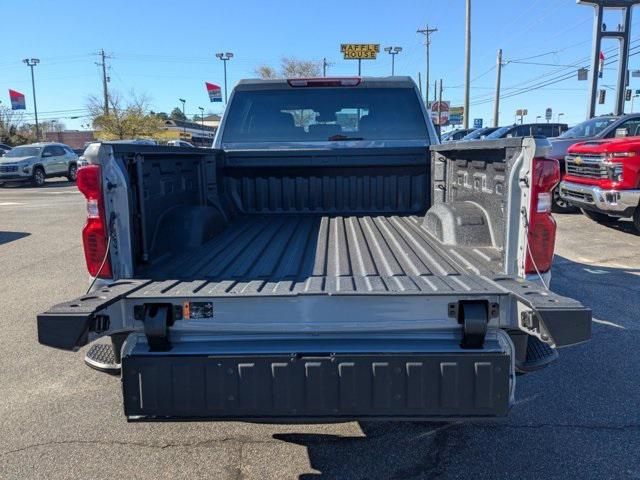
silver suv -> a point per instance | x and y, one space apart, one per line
36 162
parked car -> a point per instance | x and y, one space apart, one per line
604 126
537 130
4 149
179 143
38 161
479 134
454 135
603 179
90 149
320 267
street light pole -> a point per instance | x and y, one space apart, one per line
560 114
184 127
225 57
32 62
393 51
201 115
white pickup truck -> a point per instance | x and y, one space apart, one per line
327 260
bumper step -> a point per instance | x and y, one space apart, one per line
102 357
324 386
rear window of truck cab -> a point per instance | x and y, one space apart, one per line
324 115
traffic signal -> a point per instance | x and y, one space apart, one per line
601 95
627 95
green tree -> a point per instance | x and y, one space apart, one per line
127 119
176 114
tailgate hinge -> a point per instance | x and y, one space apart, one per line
474 317
157 319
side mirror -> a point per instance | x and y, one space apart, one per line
621 132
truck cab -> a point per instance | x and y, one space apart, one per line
602 178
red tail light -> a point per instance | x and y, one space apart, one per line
94 234
542 226
324 82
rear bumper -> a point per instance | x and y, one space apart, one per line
318 380
614 202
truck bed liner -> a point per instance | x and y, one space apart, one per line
277 255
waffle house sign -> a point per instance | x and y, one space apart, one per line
360 51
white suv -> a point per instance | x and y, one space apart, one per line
36 162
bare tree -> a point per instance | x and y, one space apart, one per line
290 67
13 129
127 118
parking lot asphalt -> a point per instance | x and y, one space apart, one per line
578 418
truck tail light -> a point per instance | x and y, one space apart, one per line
542 226
94 234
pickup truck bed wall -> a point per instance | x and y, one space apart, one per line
296 216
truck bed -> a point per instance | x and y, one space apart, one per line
275 255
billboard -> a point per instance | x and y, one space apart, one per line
17 100
455 115
360 51
214 91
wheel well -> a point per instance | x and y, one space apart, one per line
38 165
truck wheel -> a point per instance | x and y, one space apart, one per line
38 177
601 218
73 172
559 205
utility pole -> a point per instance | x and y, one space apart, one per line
440 106
225 57
496 101
325 64
427 42
393 51
105 79
467 66
32 62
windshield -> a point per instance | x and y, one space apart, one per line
479 133
24 152
589 128
325 114
499 133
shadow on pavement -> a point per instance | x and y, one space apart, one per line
390 450
47 184
8 237
577 418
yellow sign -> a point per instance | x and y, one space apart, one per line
360 51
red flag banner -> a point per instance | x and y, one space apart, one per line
214 91
17 100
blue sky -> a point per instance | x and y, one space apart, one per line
167 52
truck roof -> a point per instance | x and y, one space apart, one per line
365 82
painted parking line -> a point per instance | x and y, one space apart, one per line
608 323
5 204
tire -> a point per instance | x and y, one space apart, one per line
38 177
73 172
601 218
559 205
